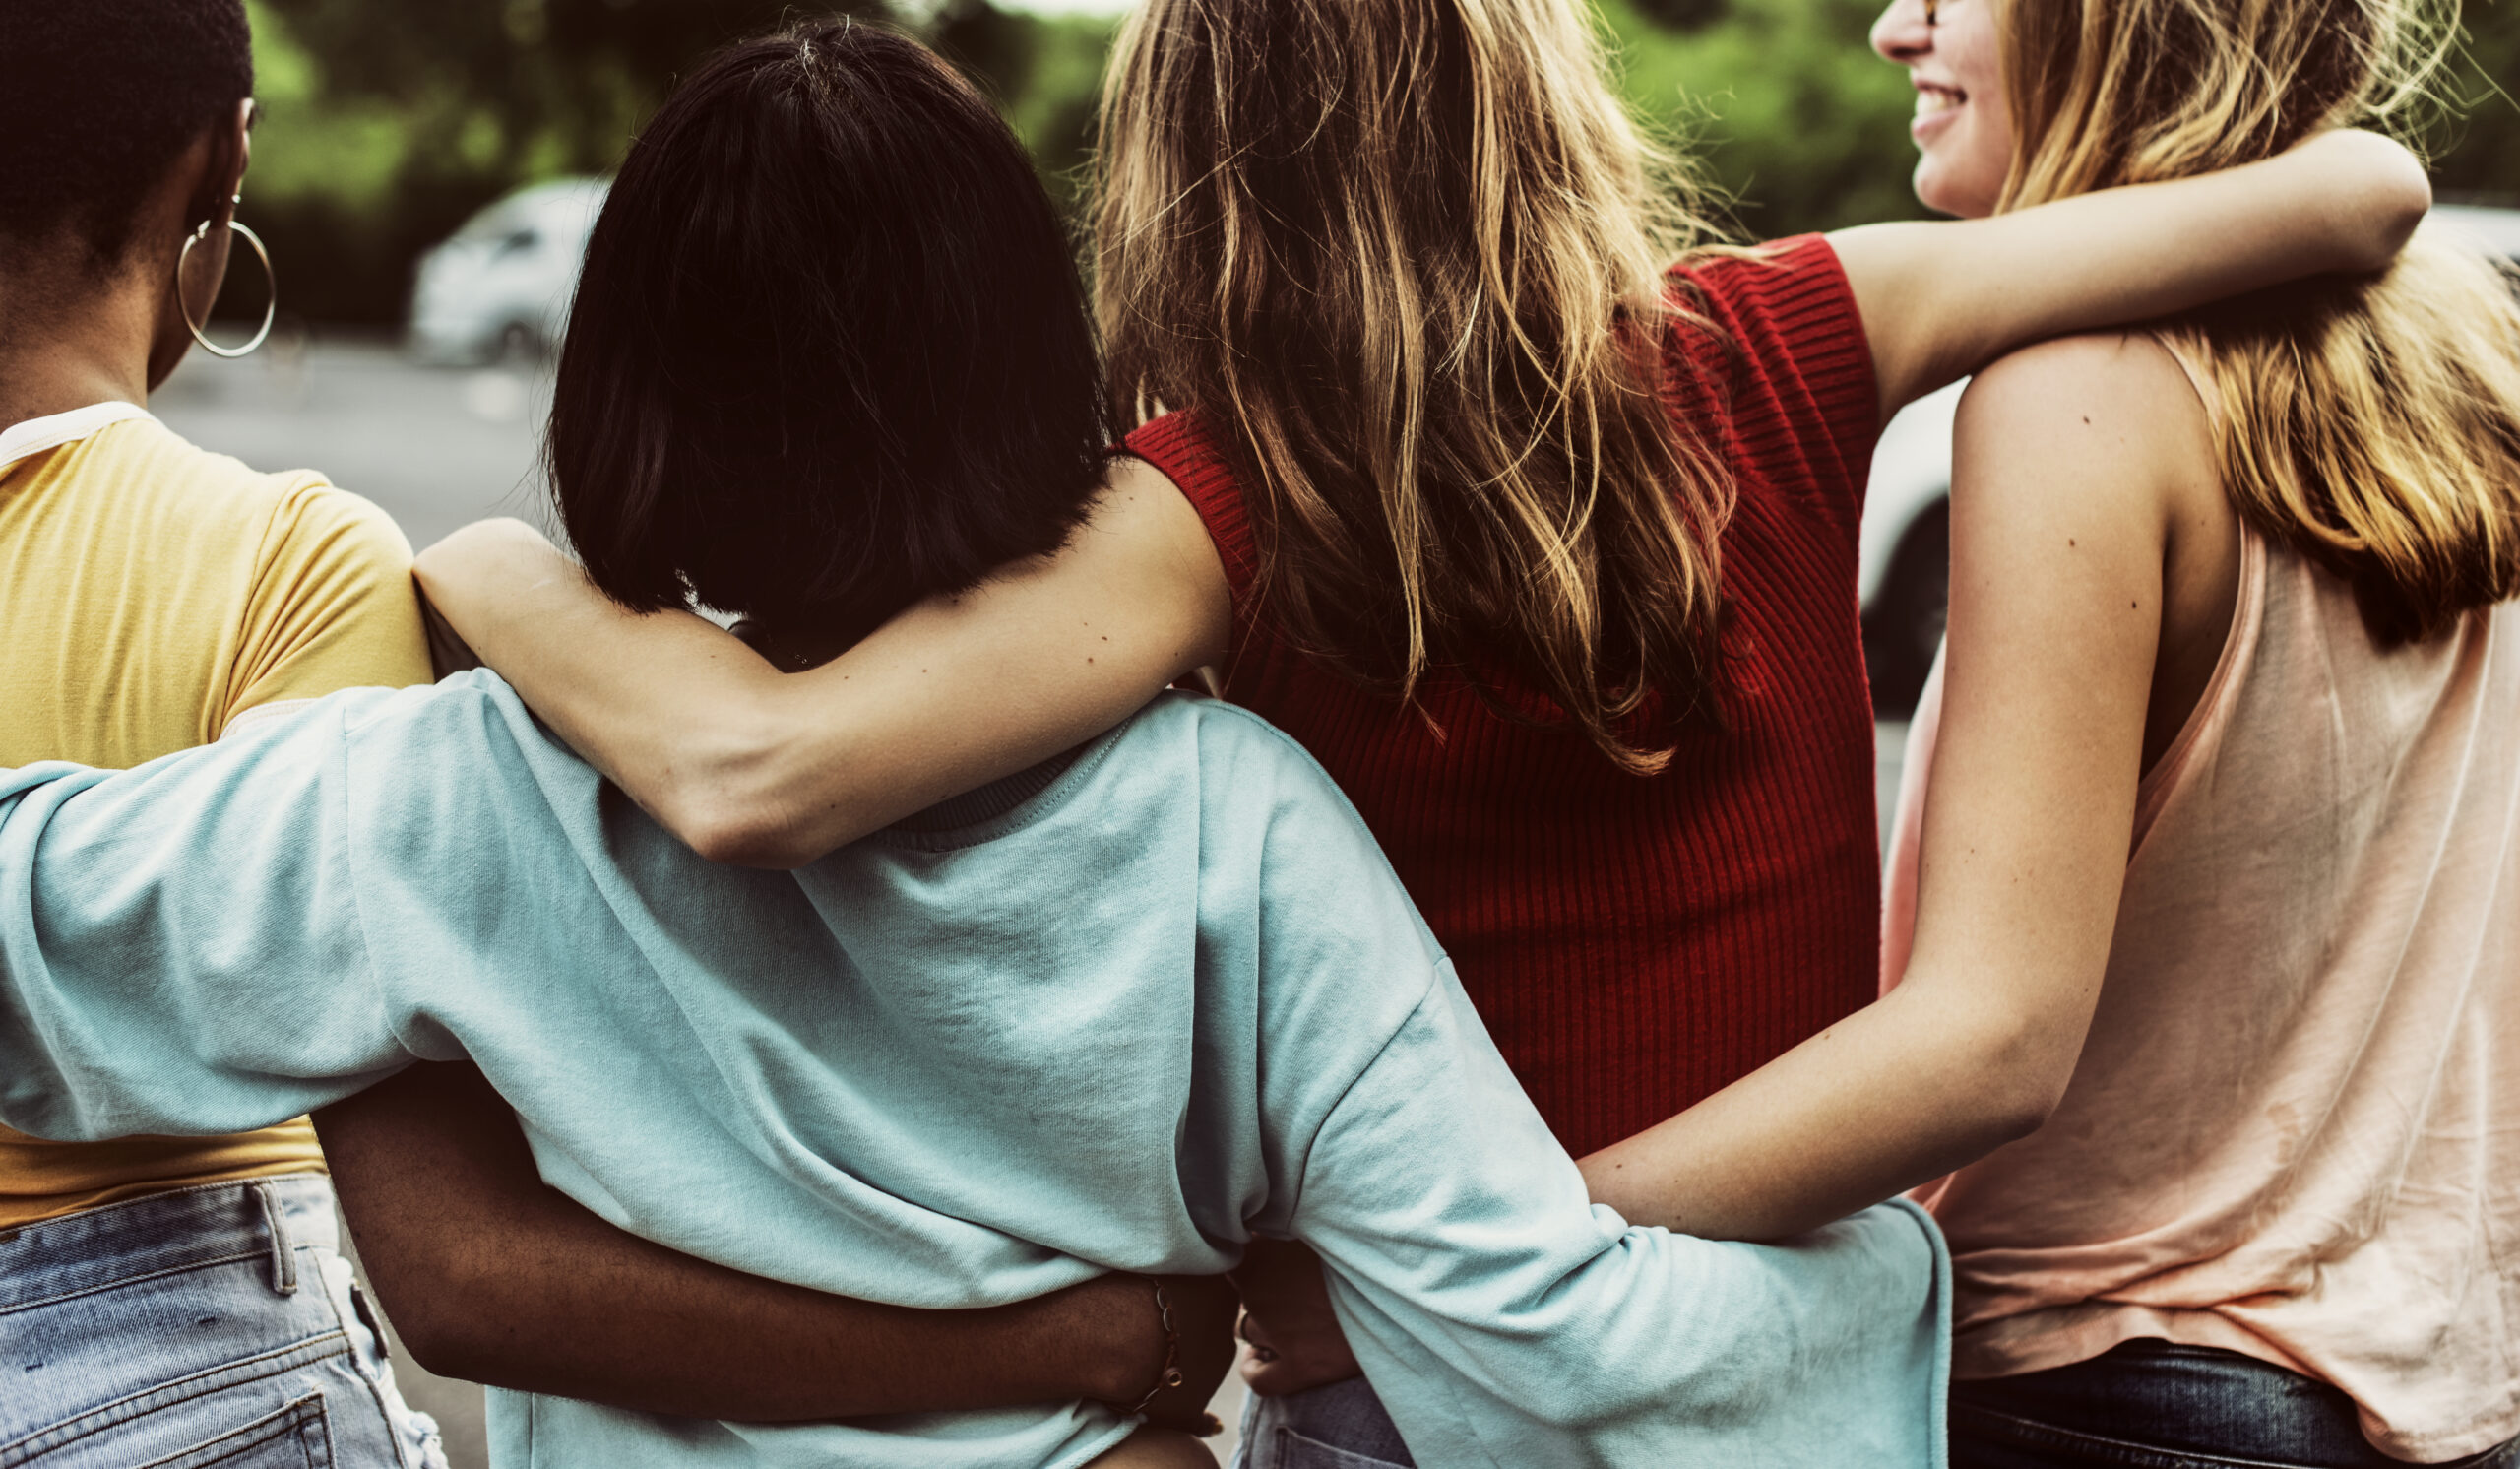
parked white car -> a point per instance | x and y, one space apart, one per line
1904 576
501 286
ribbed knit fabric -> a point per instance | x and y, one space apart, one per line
1635 944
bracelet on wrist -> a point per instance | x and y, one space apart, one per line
1169 1376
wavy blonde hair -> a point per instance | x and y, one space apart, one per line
1406 259
2374 423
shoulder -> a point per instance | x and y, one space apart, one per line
2105 429
468 738
332 602
317 521
1789 280
1224 737
1253 772
1775 331
1790 297
1187 449
2118 398
290 509
1182 456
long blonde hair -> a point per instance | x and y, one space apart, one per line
1406 257
2374 423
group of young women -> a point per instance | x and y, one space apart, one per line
1454 448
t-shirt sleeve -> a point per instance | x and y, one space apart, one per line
1505 1319
1502 1317
332 605
1788 355
180 949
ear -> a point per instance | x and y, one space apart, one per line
222 177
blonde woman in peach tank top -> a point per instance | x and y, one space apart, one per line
2292 1134
2275 1216
2204 937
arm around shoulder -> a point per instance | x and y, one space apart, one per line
764 769
1942 299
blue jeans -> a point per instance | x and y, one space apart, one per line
1339 1427
2158 1405
207 1326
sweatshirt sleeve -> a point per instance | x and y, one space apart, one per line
1507 1320
181 946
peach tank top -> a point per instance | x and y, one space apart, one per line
2294 1130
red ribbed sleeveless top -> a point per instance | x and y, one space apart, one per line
1636 944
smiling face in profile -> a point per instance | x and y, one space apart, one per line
1963 125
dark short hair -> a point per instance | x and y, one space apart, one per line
830 354
100 97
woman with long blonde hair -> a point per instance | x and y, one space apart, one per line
2206 881
1542 544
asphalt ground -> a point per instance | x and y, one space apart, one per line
437 448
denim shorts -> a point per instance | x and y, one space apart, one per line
212 1327
1339 1427
2160 1405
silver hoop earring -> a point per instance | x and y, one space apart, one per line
271 305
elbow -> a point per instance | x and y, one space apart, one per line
737 833
734 815
2019 1115
730 797
441 1348
2020 1085
2400 199
445 1328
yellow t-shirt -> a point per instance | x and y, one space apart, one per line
150 592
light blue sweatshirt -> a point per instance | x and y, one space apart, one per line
1172 999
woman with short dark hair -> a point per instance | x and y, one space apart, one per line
155 594
829 354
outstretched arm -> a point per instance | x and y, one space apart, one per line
491 1275
2067 468
183 952
748 765
1504 1321
177 952
1942 299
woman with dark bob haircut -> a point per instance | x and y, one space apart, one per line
829 357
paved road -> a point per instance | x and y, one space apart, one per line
436 448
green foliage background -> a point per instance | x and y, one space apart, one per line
387 122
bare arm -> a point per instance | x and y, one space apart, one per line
2067 464
493 1276
752 766
1942 299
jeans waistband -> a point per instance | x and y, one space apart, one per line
183 1229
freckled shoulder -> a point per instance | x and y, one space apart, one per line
2111 404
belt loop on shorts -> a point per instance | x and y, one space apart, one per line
283 1254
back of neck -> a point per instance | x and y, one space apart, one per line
70 338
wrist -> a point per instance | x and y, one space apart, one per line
1124 1345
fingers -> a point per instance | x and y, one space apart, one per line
1284 1374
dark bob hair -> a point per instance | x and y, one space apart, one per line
97 101
829 355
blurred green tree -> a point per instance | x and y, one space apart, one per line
1782 102
386 124
2476 148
